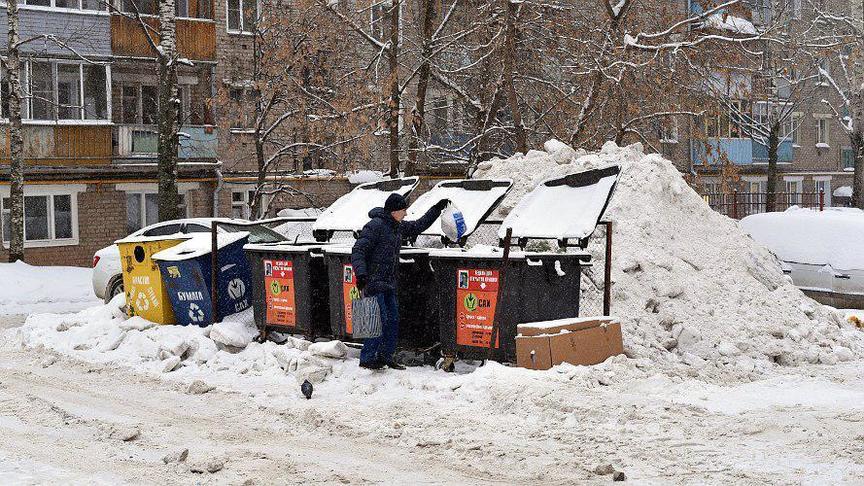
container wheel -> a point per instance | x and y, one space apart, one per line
114 287
447 363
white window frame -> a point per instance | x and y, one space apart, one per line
246 204
842 166
823 136
141 189
54 8
242 30
824 64
793 197
49 191
826 182
27 108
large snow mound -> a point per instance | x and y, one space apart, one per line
689 286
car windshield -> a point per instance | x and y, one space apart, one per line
257 233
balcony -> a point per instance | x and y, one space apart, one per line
61 145
196 38
142 141
739 151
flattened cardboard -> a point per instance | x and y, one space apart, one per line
586 342
539 346
573 325
588 346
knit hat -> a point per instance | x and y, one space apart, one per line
395 202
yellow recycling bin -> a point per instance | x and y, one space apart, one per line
146 296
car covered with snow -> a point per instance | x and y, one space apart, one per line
107 273
820 250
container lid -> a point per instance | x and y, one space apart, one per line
149 239
568 207
475 198
485 253
292 247
338 250
197 246
351 211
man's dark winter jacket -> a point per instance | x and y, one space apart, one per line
376 253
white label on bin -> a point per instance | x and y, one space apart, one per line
195 313
236 289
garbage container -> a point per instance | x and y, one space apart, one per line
290 290
415 294
146 296
186 273
470 296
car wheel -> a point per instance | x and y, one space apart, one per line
115 286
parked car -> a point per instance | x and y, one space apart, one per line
818 249
107 273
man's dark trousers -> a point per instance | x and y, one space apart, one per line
382 348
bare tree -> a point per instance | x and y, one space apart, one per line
16 142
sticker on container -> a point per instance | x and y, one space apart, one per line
279 292
196 313
476 298
349 293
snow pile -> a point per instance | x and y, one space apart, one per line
218 354
26 288
689 286
297 230
730 23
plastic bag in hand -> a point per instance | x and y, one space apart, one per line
452 223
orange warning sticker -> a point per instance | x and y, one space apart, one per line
279 282
349 293
476 298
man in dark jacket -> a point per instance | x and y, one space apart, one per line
375 258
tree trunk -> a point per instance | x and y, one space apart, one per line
169 198
394 103
16 142
256 212
771 185
510 34
857 141
419 114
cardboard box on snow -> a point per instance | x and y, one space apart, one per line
585 341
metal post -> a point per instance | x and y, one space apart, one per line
735 204
821 199
493 338
607 271
214 269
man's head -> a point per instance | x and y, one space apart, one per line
396 205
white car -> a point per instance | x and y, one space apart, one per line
107 272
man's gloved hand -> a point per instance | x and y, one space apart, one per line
440 205
361 282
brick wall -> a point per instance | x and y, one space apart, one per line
101 221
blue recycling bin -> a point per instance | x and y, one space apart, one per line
186 274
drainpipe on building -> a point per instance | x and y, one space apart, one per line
219 183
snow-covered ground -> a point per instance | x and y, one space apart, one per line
731 376
25 289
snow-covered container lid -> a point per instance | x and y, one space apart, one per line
292 247
347 249
150 239
197 246
475 198
568 207
351 211
812 237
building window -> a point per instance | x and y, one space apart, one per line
73 4
65 91
140 104
823 71
823 185
142 209
822 129
48 218
726 121
241 203
790 128
242 16
793 192
242 109
847 158
144 7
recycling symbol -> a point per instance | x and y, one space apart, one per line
354 293
275 288
470 302
141 302
236 289
195 313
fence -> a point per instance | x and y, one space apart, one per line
738 205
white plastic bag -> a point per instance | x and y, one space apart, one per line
452 223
